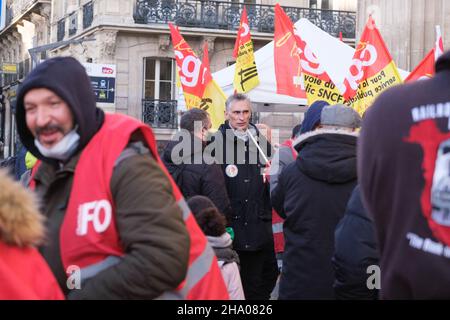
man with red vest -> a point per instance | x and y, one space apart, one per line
118 225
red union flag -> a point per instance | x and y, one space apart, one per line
190 68
424 70
316 81
213 100
439 46
371 72
287 59
246 73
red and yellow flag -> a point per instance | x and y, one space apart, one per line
287 61
213 100
372 70
190 68
316 81
245 74
426 68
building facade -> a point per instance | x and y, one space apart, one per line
133 35
27 25
407 26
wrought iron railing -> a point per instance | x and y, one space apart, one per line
226 15
160 113
88 14
61 29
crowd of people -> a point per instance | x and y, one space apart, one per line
347 208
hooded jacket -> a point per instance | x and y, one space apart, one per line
311 195
24 274
149 222
404 138
198 178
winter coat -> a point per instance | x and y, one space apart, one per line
229 265
198 178
311 195
248 193
355 251
404 170
24 274
148 220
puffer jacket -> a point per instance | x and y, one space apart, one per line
24 274
228 261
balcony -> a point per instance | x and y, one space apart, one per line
160 113
227 15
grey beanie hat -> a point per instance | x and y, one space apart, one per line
341 116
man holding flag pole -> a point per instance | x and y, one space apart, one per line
244 153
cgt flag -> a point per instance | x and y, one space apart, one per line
214 98
426 68
372 70
245 74
287 62
316 81
190 68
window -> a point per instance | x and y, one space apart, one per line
159 79
73 23
321 4
88 14
327 4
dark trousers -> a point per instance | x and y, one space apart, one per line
259 272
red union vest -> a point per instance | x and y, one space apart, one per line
89 237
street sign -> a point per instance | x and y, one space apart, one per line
103 80
104 89
9 68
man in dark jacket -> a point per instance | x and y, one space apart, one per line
57 120
186 163
243 165
356 251
404 176
311 195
